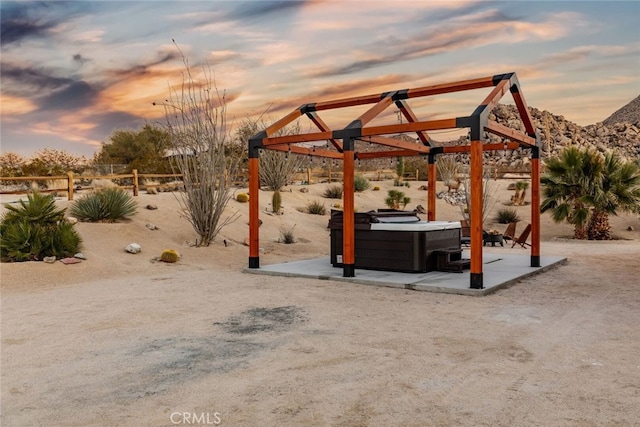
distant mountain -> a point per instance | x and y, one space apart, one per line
630 113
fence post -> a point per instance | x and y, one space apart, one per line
135 182
308 176
417 175
70 185
329 176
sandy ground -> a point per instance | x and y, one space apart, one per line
122 339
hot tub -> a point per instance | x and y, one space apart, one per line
394 240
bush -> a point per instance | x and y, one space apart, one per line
286 234
333 192
36 229
107 205
397 200
376 188
506 216
316 208
360 184
242 197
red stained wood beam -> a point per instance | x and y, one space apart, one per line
496 95
317 152
283 122
380 154
412 118
507 132
398 143
346 102
305 137
325 128
373 112
516 91
254 209
485 147
476 212
431 195
535 210
410 127
451 87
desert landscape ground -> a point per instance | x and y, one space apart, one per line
123 339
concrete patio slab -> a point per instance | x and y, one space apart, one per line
499 270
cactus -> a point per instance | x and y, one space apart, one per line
242 197
169 255
276 201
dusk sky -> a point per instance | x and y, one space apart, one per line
72 72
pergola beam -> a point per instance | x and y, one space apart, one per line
504 131
316 152
412 118
398 143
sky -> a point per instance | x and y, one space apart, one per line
73 72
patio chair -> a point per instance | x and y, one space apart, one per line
510 232
522 239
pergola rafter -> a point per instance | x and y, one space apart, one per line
340 144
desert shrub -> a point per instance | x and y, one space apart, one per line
286 234
397 200
376 188
505 216
36 229
108 205
360 183
169 255
242 197
276 202
316 208
333 192
103 183
151 186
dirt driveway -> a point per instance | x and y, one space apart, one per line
215 346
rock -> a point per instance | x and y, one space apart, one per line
49 259
152 227
72 220
80 255
304 190
420 209
133 248
423 187
152 207
630 228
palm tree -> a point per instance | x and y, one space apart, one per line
584 188
567 185
618 190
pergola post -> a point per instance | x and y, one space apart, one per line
348 222
431 187
535 206
475 216
254 208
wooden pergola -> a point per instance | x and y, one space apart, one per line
342 147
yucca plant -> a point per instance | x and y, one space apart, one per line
36 229
106 205
396 199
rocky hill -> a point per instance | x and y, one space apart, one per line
630 113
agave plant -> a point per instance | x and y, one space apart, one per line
107 205
35 229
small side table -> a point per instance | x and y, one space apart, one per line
493 239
